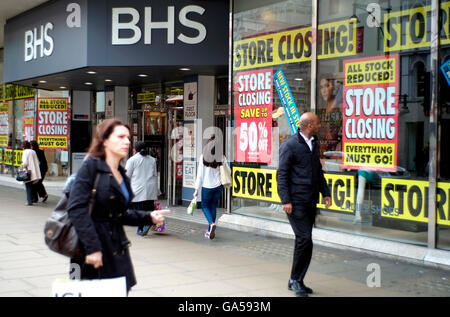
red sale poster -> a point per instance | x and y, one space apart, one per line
370 113
254 92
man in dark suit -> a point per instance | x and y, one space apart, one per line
300 179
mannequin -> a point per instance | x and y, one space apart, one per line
364 177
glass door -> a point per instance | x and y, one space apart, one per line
175 162
154 130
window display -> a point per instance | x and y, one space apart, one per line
372 79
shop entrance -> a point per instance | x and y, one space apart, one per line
154 125
175 144
163 136
157 115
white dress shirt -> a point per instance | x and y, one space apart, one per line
308 141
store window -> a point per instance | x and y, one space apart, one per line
372 105
373 99
17 112
443 145
271 52
27 114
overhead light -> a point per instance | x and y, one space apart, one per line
91 72
43 81
108 80
62 87
298 79
143 75
88 83
185 69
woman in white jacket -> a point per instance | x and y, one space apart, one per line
30 161
141 169
208 179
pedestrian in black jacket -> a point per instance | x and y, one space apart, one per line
102 235
43 166
300 179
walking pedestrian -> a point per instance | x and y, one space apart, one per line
43 167
102 236
30 161
208 180
141 169
300 179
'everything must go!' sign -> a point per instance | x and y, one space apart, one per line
370 113
52 123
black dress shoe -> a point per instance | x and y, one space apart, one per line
306 288
294 285
45 198
301 293
297 286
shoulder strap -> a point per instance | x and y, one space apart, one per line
93 193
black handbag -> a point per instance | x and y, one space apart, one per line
60 234
23 175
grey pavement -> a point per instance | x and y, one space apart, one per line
182 263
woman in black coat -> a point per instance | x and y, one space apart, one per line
102 235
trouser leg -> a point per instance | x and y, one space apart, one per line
302 258
40 189
29 191
34 193
214 201
207 198
147 205
301 221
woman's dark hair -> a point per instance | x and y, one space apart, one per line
102 133
34 145
209 154
141 148
26 145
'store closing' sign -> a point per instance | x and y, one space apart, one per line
52 123
370 113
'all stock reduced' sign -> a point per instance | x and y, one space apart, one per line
52 123
370 114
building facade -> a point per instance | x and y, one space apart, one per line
157 66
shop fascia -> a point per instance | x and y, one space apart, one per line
43 40
40 43
149 25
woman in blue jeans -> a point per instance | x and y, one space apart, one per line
208 179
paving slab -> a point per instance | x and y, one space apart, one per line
182 263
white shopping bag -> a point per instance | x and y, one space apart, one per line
112 287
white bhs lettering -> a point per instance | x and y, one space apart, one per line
35 39
149 25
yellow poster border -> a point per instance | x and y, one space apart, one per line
404 188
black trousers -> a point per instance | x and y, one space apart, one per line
147 205
40 189
302 221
